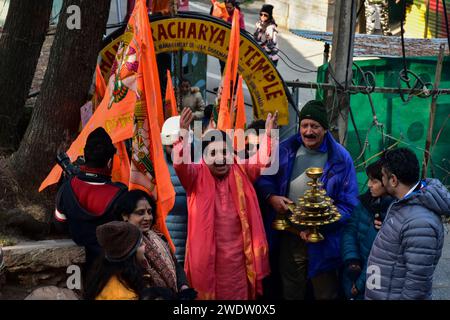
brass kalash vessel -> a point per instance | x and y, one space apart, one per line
313 210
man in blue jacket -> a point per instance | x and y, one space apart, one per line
297 259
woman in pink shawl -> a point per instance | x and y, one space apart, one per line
226 251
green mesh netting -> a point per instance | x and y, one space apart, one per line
403 123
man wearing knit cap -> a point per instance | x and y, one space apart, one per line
86 201
296 259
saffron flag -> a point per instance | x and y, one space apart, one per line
116 111
114 114
171 102
121 164
219 10
100 88
149 171
240 106
224 119
130 109
240 116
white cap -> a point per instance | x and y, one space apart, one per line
170 131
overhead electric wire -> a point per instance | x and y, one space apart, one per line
307 70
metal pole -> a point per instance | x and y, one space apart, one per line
341 63
437 80
119 11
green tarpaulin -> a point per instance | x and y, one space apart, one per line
404 122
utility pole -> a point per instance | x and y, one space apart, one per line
345 16
437 81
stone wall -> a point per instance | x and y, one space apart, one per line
304 14
31 265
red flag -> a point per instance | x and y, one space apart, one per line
171 102
224 119
149 171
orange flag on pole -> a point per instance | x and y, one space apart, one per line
131 109
170 99
121 164
115 117
149 171
100 86
219 10
240 106
224 118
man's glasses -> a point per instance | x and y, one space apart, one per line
262 14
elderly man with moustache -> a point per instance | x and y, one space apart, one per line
297 259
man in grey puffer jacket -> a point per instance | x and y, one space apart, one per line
408 247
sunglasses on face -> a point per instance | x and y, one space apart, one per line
262 14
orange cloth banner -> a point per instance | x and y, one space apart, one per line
117 120
224 119
170 99
100 86
121 164
219 10
240 106
131 109
149 171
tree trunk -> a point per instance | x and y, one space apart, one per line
64 90
20 46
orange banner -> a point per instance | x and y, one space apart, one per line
121 164
100 86
170 99
219 10
116 119
240 106
224 119
149 171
